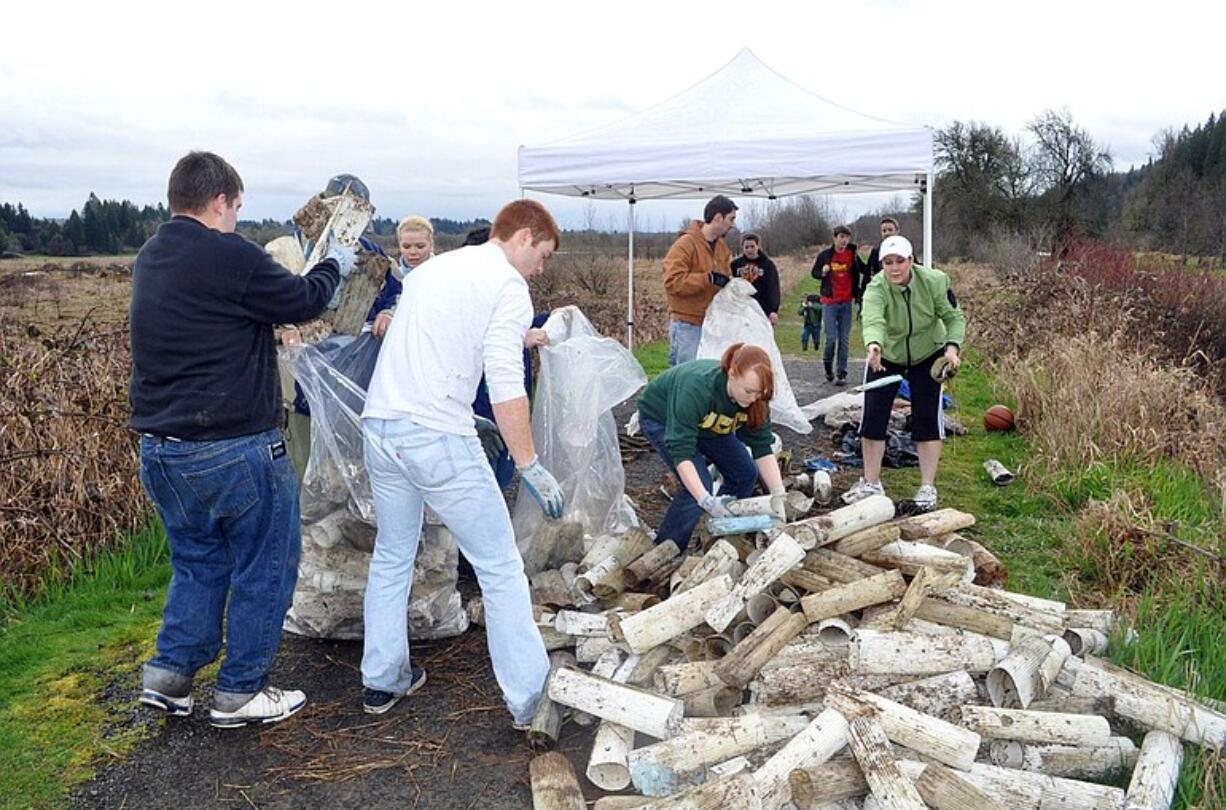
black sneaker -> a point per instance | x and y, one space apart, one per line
829 377
375 701
842 380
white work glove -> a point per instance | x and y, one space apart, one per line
544 487
779 504
716 505
345 257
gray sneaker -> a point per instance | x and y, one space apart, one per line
173 705
270 705
926 498
863 489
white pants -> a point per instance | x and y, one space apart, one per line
410 467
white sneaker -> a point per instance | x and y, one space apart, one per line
863 489
926 497
271 705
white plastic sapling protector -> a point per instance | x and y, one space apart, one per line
735 317
338 520
583 376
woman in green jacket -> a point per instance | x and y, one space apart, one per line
912 326
712 412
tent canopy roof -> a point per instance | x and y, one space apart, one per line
746 130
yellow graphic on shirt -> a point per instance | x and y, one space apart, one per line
839 267
723 425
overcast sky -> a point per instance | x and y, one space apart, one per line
428 105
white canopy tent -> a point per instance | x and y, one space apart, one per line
744 131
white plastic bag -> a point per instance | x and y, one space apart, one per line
735 317
338 516
583 377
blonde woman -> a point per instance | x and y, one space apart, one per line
415 235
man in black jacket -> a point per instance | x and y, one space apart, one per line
756 267
206 401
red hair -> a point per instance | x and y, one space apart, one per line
739 359
515 216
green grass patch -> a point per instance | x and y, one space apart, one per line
1020 525
58 653
653 357
787 331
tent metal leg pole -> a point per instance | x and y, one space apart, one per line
929 253
630 283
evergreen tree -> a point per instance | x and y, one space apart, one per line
74 231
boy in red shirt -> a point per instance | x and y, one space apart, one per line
838 268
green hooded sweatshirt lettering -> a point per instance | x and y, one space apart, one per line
692 399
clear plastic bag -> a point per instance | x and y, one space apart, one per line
338 514
356 359
735 317
583 377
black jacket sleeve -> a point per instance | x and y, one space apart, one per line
275 295
768 291
823 258
857 272
872 268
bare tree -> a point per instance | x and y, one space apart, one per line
794 223
984 184
1064 159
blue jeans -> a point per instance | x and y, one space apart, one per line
682 342
729 455
411 467
836 320
811 331
230 508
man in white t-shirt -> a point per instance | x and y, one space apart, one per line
460 313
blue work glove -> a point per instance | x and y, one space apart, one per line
718 279
346 258
544 487
491 438
716 505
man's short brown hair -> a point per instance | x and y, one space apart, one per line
890 220
197 178
719 204
516 216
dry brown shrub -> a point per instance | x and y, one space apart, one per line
68 463
1122 549
1090 399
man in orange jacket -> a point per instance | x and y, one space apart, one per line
695 268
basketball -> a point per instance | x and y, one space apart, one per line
998 417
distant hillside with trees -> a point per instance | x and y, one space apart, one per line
111 227
1055 184
101 226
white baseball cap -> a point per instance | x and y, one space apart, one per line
896 246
